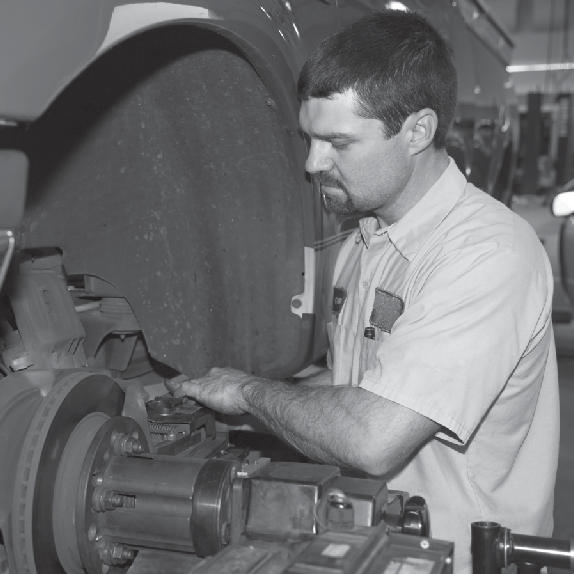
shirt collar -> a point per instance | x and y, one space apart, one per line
410 232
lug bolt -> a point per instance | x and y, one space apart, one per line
128 554
103 500
114 554
121 553
127 444
92 532
111 499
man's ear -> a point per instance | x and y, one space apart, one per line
419 129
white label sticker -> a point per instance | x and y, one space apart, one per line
410 565
336 550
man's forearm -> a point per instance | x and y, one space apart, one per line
327 424
345 426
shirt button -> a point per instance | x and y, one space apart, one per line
366 284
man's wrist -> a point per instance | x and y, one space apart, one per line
247 390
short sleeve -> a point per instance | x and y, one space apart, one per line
464 329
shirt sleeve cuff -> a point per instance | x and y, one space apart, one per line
454 431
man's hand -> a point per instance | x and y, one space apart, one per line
220 390
343 426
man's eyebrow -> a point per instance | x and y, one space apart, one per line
328 136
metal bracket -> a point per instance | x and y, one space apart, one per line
7 245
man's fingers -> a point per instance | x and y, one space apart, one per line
187 389
172 385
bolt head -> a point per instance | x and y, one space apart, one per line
92 532
121 554
127 444
128 554
108 500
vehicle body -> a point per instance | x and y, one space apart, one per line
167 168
169 227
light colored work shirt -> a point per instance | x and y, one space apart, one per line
457 298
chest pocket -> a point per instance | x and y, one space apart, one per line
387 308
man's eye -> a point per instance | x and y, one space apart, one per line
340 145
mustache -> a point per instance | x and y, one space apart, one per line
326 179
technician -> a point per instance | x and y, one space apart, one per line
443 372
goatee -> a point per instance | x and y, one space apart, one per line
341 207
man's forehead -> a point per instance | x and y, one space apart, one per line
338 101
327 118
320 110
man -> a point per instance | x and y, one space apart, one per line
443 374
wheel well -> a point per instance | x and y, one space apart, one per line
164 169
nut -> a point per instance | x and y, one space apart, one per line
126 444
115 554
111 499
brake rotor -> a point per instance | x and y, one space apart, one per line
49 468
92 545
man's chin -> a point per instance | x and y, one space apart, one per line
338 206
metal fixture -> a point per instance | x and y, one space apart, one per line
495 547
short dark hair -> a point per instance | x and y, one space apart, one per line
396 62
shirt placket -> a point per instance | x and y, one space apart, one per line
370 277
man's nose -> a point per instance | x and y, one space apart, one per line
319 158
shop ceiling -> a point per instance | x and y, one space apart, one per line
543 33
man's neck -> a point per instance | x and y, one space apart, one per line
428 168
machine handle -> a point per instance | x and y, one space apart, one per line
416 519
494 547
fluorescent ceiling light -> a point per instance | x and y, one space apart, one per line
540 67
397 6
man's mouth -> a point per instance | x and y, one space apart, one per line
325 186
